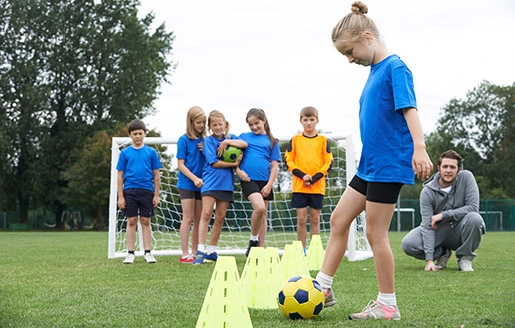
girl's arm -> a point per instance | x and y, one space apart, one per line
422 165
184 170
274 169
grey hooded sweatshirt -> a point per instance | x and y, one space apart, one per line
463 198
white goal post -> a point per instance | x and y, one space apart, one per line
236 230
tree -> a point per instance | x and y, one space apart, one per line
482 129
71 68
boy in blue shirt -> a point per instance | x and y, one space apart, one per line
138 188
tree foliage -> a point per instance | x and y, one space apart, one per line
70 68
482 129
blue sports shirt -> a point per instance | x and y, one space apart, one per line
137 166
258 155
387 150
221 179
187 150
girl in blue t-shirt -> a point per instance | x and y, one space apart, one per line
190 162
257 172
393 152
218 177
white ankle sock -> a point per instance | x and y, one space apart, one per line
387 299
201 247
211 249
324 280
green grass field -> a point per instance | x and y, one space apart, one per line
64 279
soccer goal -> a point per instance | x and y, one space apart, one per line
281 219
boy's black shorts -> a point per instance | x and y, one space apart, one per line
301 200
254 186
377 192
138 202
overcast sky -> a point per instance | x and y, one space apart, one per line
277 55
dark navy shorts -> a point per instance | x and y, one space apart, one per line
377 192
301 200
138 202
189 194
254 186
220 194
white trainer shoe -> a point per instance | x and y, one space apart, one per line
149 258
465 263
129 259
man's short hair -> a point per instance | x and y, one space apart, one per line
137 125
451 154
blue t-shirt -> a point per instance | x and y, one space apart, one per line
387 150
221 179
258 155
137 166
187 150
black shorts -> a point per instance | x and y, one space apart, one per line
377 192
189 194
138 202
301 200
254 186
220 194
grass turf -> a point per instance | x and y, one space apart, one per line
64 279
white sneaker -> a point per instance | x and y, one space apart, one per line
149 258
465 263
129 259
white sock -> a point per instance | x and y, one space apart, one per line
254 238
211 248
387 299
201 247
324 280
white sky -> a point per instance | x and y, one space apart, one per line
277 55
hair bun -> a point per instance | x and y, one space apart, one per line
359 7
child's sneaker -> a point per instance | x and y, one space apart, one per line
211 257
252 243
376 310
187 259
149 258
329 297
199 258
129 259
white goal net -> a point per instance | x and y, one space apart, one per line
236 230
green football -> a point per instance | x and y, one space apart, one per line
230 154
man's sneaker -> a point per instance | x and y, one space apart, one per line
329 297
376 310
199 258
187 259
211 257
129 259
465 263
252 243
149 258
441 262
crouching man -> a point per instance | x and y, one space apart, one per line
449 206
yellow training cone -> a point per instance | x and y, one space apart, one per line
315 256
255 281
293 263
224 304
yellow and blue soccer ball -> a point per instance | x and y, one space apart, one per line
230 154
301 298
